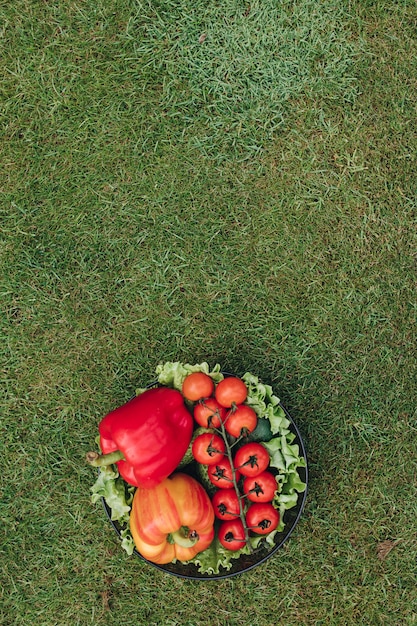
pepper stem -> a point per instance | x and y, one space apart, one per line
103 460
184 537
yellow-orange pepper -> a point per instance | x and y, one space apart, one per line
173 520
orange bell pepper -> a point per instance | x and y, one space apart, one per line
174 520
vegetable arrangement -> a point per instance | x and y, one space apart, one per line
199 469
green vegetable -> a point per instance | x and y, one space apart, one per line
173 374
262 399
187 458
262 431
283 455
202 475
216 558
127 541
110 486
118 497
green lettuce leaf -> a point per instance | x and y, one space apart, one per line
284 455
172 374
118 496
263 401
215 558
293 483
127 541
110 486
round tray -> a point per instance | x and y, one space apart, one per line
245 562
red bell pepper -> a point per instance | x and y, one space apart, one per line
147 437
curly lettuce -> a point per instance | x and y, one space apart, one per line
173 374
216 558
265 404
118 496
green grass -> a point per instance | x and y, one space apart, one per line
230 71
152 211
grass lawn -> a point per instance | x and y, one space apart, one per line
235 183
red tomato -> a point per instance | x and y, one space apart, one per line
231 390
209 413
262 518
208 448
221 474
197 385
231 535
240 420
226 504
260 488
251 459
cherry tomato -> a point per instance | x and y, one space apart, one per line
221 474
231 534
240 420
209 413
262 518
226 504
208 448
251 459
260 488
231 390
197 385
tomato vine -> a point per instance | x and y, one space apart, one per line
222 430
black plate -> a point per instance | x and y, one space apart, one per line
245 562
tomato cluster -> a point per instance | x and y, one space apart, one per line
245 486
223 403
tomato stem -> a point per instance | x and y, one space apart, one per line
230 411
238 440
241 510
